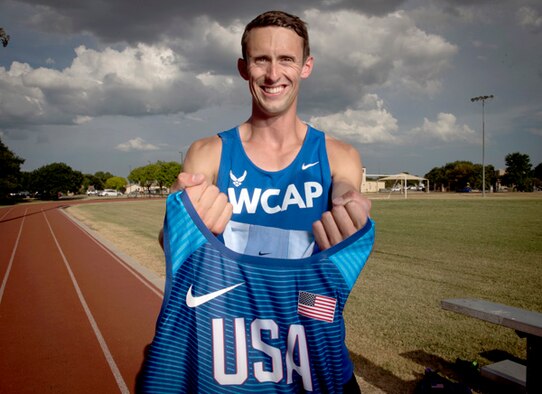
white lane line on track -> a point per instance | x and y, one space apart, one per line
8 270
130 269
8 211
105 349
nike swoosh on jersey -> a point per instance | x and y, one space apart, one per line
193 301
305 166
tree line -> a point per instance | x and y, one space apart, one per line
53 180
519 175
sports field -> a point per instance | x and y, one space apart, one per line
428 247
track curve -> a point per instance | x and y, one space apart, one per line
73 316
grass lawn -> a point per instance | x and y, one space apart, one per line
428 247
132 226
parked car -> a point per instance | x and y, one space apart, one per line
23 194
92 192
109 192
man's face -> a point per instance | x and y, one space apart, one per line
274 68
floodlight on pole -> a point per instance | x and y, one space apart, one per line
483 100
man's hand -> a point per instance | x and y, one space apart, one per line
349 213
211 205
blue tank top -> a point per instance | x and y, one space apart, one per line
273 212
232 323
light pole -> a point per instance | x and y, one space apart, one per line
483 100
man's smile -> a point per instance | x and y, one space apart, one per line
273 89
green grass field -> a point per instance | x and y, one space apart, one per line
427 249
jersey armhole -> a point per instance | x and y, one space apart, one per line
222 175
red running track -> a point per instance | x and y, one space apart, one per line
74 318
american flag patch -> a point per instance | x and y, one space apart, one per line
316 306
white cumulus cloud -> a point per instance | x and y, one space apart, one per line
368 122
529 18
445 128
136 144
356 53
135 81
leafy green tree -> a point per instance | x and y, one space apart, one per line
117 183
92 180
437 178
537 174
459 174
144 176
491 177
55 178
166 173
103 176
10 171
26 181
518 172
161 174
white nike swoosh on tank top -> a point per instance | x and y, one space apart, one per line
305 166
193 301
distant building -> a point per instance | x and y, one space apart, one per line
370 186
500 173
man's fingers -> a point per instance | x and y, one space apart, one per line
358 213
320 235
195 193
212 215
357 206
212 206
332 230
186 179
224 217
343 221
209 194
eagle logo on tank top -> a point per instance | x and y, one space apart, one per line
238 181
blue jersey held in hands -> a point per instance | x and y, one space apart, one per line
236 323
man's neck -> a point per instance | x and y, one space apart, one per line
272 143
281 129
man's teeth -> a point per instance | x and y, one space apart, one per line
274 90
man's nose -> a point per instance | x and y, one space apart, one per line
272 72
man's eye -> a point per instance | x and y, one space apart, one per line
287 59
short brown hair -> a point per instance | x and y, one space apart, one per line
279 19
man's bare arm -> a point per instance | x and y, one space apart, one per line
350 209
199 174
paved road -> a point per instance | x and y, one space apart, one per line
74 318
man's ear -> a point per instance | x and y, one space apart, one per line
242 68
307 67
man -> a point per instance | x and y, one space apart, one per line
274 62
275 186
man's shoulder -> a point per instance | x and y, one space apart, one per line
337 146
204 157
344 159
206 145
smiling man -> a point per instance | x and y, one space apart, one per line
281 197
275 143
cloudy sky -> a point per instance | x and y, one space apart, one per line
110 85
